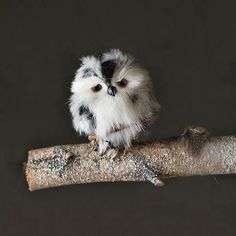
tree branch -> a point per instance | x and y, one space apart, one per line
193 153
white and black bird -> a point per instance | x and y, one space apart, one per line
112 98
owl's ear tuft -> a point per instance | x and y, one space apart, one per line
113 55
90 66
88 72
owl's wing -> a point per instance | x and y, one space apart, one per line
83 118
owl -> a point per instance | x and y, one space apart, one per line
112 100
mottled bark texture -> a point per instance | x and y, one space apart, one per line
192 153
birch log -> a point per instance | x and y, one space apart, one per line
192 153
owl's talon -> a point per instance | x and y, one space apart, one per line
93 145
112 153
103 147
92 137
124 151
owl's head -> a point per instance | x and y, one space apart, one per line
110 76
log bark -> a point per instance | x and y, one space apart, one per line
192 153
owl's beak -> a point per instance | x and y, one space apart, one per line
111 90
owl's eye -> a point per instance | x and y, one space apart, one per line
97 88
123 83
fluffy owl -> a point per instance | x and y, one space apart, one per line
112 98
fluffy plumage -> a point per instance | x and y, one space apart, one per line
112 97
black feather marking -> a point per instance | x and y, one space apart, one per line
83 110
133 98
108 68
88 72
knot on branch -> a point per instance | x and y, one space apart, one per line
194 138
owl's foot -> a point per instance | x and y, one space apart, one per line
93 142
117 153
92 137
124 151
104 147
93 145
113 153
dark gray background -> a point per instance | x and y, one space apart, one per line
189 47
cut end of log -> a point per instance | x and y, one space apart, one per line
29 178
